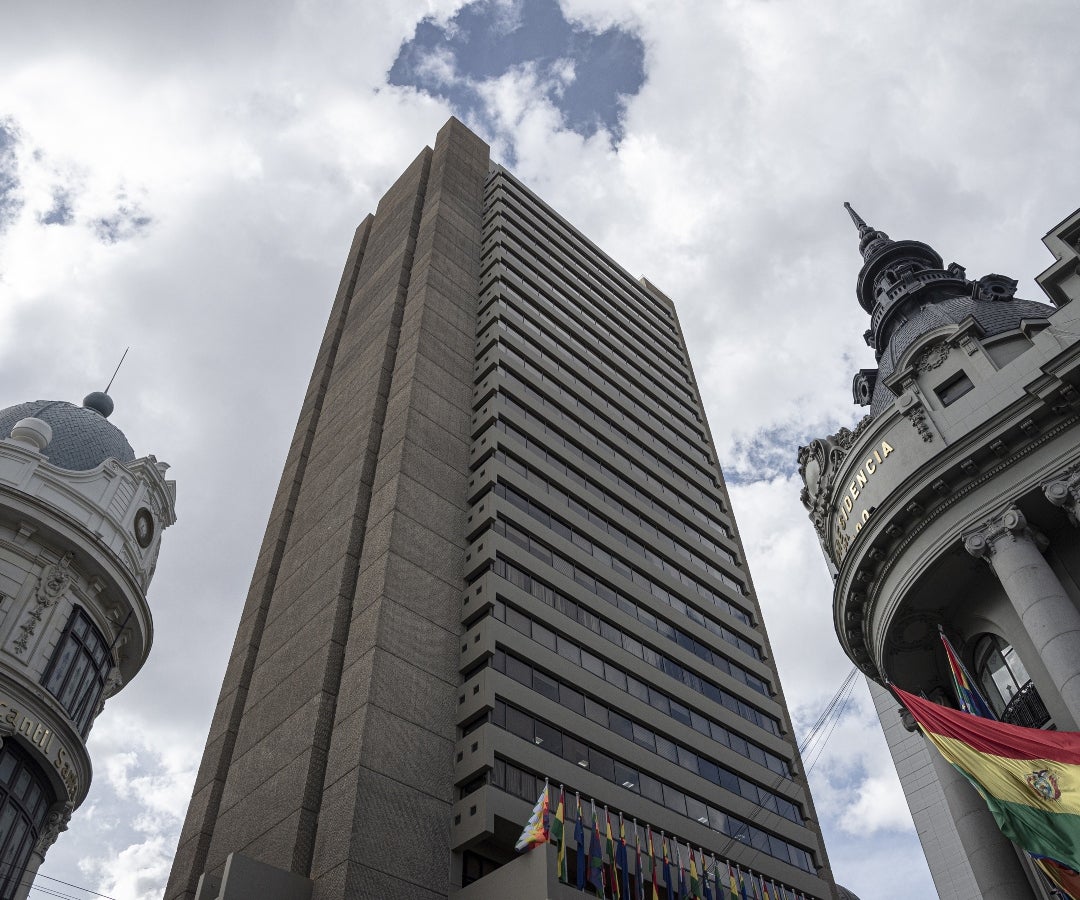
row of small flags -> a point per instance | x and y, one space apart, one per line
611 878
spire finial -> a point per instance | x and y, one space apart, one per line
855 217
871 241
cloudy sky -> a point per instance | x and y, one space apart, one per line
184 178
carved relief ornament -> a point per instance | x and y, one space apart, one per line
819 464
53 581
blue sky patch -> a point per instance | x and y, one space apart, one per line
127 222
10 201
61 212
488 38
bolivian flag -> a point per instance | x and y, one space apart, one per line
1029 778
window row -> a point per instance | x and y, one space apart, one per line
616 531
516 386
616 676
571 698
594 293
605 495
632 573
612 474
78 669
522 328
569 748
528 259
574 750
588 258
568 407
25 798
544 592
507 282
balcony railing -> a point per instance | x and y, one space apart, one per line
1026 708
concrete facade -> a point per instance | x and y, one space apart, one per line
501 551
950 506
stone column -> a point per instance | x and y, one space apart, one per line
1064 491
992 856
1046 611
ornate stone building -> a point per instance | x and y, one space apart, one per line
953 503
80 528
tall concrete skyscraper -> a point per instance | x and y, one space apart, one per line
501 552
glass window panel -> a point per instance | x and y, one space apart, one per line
520 671
718 820
543 636
601 764
627 777
592 663
568 650
517 621
620 725
674 799
688 759
637 688
644 736
680 713
544 684
650 788
571 699
659 701
547 737
575 751
615 676
596 711
666 749
695 809
519 723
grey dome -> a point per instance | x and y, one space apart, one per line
844 893
994 317
82 438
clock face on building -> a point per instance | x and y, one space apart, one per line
144 527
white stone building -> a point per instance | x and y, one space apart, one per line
80 528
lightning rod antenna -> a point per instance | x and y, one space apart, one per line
118 365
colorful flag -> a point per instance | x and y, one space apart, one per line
734 885
622 863
765 892
1029 778
596 857
558 836
536 829
742 885
667 868
655 895
695 882
706 887
684 892
968 696
1066 880
640 894
609 848
579 838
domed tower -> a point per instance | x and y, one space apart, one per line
954 507
80 528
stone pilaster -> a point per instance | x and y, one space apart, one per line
1046 611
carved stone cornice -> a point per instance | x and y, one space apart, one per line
1064 491
819 463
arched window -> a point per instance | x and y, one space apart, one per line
78 669
25 797
999 671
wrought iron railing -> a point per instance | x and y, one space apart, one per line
1026 708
